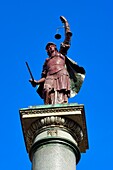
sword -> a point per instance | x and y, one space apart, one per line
29 71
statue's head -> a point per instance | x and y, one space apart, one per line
49 44
50 48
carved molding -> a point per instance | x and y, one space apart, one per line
50 110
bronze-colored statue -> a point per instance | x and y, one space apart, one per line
61 76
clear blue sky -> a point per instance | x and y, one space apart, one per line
25 28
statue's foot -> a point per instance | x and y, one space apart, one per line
63 19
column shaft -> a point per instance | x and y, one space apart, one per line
54 157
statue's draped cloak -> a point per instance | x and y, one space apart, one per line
76 74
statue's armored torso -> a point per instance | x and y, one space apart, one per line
55 63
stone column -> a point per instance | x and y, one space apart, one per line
54 146
53 138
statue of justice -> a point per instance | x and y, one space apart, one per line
61 77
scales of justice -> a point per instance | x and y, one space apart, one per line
55 133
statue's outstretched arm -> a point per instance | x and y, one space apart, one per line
42 79
36 82
65 45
